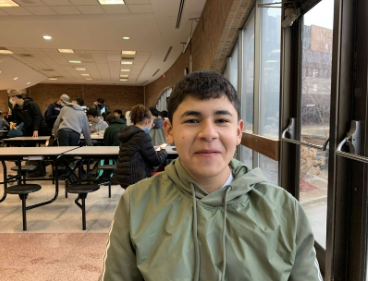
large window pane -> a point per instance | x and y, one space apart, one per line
270 44
269 168
248 74
315 108
233 68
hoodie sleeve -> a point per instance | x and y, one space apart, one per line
119 263
57 122
86 131
148 151
306 267
37 116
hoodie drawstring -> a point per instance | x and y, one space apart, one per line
195 237
224 232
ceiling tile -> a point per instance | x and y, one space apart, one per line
66 10
146 8
91 10
57 2
85 2
28 3
41 11
3 13
116 9
17 11
133 2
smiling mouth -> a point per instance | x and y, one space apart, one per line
207 152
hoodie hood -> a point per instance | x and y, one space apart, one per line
118 121
128 132
74 106
158 123
244 180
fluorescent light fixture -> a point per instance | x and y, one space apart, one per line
85 74
66 51
75 61
6 52
47 37
130 53
125 70
28 83
8 3
80 68
126 62
126 38
111 2
88 79
123 80
16 78
124 75
52 79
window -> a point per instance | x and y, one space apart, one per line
233 67
161 104
270 45
316 66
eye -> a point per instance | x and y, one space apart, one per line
191 121
222 121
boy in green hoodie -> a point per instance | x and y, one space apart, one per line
208 216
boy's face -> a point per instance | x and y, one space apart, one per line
116 114
93 119
205 133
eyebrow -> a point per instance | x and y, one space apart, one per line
198 113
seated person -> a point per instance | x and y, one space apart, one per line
119 114
208 216
157 132
111 133
137 155
97 125
4 125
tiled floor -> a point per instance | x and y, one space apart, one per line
55 247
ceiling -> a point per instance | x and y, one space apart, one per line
95 32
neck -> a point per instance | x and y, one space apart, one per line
142 127
212 184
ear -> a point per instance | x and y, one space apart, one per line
239 131
168 129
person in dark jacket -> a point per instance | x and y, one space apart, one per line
28 112
119 114
111 133
54 109
137 155
100 107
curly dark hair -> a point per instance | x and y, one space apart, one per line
139 113
202 85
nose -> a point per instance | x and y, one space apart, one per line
208 131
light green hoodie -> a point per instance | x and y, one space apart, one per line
169 228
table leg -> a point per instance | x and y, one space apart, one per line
5 180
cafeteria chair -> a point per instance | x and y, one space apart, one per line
109 169
82 190
23 190
24 170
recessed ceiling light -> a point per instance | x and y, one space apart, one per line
126 62
75 61
126 38
125 70
111 2
0 71
131 53
80 68
66 51
16 78
88 79
28 83
6 52
123 80
53 79
47 37
85 74
8 3
124 75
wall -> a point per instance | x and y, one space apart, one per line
116 97
212 41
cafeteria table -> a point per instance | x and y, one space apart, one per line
21 140
33 153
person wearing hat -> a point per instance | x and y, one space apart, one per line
28 112
53 110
